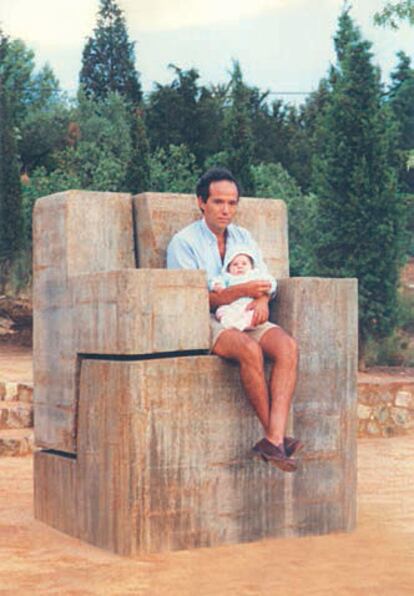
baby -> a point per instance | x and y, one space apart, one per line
238 268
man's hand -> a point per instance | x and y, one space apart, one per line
260 306
252 289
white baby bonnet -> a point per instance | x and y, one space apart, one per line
239 250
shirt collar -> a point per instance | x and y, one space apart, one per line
211 237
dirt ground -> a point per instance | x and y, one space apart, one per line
376 559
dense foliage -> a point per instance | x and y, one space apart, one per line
10 193
358 220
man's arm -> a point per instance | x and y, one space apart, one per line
180 255
257 289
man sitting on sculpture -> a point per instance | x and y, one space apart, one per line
205 244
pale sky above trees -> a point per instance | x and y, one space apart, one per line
282 45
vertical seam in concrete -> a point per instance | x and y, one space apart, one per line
288 498
78 368
135 232
288 488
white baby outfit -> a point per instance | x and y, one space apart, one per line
235 315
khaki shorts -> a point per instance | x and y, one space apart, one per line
216 329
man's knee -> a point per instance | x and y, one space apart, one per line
250 351
279 345
238 346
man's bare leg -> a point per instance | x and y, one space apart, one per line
282 350
235 345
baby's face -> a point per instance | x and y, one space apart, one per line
240 265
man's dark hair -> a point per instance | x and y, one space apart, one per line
214 175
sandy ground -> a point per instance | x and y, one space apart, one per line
376 559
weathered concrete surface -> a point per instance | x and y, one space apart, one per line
160 215
74 232
141 311
127 312
321 314
164 445
377 558
78 233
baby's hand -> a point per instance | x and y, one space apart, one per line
217 287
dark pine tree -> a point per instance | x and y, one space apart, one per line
10 192
239 131
172 110
358 231
185 113
401 99
138 171
108 59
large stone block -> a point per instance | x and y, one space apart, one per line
164 463
77 233
160 215
74 232
127 312
149 449
322 315
141 311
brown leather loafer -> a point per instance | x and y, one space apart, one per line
292 446
272 454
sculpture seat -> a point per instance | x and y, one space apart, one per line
144 437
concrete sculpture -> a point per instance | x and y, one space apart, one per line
144 437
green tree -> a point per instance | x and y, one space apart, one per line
108 58
393 13
96 156
269 129
401 74
401 101
273 181
173 170
172 110
358 220
239 131
43 132
183 112
38 108
210 115
17 66
10 195
100 156
138 171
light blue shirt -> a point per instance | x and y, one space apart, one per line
195 247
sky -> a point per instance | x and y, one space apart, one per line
283 46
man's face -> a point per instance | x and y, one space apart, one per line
221 205
240 265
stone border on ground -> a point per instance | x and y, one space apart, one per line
385 409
